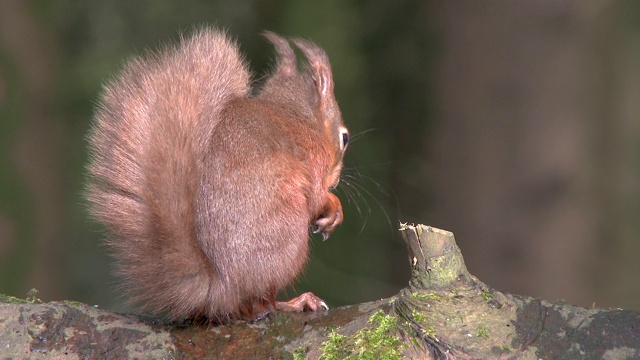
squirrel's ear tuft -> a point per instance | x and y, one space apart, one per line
319 70
287 63
319 66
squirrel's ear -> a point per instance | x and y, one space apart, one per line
320 70
287 63
323 80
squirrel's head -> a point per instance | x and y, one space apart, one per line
313 87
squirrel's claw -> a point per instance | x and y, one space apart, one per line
307 300
332 216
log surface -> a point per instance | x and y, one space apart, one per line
443 313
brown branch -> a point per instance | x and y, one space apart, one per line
444 313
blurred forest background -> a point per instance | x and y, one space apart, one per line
516 125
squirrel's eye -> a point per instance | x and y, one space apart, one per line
344 137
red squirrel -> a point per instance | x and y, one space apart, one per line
209 188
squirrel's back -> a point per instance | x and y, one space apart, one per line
151 131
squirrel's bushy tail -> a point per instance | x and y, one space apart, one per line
150 133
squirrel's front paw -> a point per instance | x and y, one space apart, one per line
331 217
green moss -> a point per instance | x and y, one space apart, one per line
377 342
418 317
31 298
429 296
334 348
429 330
421 320
506 348
483 331
300 353
331 327
486 294
11 299
73 303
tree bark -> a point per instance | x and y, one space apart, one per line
443 313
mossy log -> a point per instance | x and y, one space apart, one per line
444 313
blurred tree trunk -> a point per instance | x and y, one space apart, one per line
36 152
536 147
617 140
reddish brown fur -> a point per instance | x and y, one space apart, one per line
209 192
